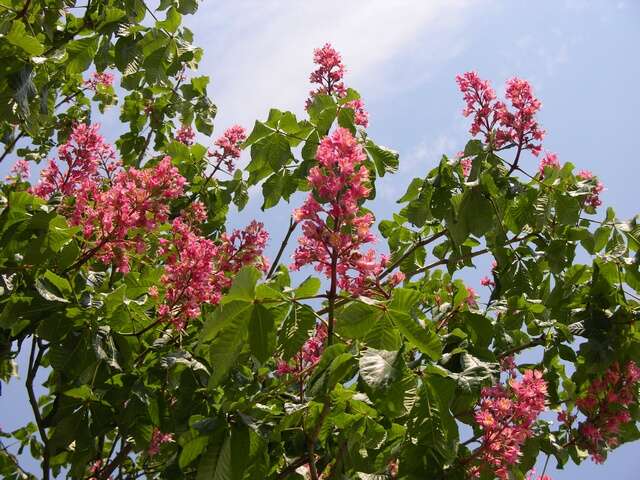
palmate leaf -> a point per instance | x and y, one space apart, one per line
399 311
378 367
216 461
295 330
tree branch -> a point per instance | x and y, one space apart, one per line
477 253
34 364
9 148
117 461
409 251
292 226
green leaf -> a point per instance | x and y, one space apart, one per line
216 462
413 190
82 392
226 347
19 37
383 335
295 330
222 316
356 320
192 450
378 367
262 335
277 151
402 302
244 286
308 288
272 191
81 53
477 212
385 159
567 209
53 288
260 131
172 22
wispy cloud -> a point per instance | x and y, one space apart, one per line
259 53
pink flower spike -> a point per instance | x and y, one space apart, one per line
103 79
20 171
333 227
550 160
157 439
186 135
329 78
228 146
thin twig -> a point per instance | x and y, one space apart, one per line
410 250
292 226
34 364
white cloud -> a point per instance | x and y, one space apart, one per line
259 54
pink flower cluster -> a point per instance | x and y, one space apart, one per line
229 146
329 73
492 118
532 476
593 199
506 417
487 281
20 171
308 356
109 207
471 298
550 160
134 201
186 135
188 274
607 405
329 78
157 439
197 270
243 247
333 227
104 79
466 164
84 152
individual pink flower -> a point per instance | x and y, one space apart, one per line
153 291
20 171
157 439
186 135
550 160
103 79
228 146
333 226
593 199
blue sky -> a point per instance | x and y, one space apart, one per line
402 56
